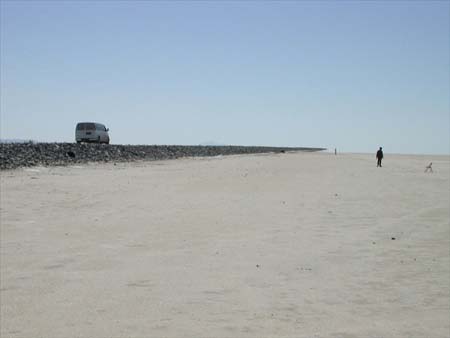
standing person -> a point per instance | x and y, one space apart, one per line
379 156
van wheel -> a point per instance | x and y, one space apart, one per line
98 139
79 142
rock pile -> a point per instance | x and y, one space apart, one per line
15 155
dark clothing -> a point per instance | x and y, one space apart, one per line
379 157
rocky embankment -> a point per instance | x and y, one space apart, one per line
16 155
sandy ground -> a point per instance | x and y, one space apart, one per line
286 245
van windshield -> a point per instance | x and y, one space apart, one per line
86 126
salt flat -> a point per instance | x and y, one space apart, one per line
278 245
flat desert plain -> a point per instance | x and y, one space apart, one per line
275 245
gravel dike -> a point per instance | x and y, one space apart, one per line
17 155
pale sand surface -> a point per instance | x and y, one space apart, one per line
281 245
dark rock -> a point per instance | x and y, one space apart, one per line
16 155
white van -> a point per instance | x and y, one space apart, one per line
91 132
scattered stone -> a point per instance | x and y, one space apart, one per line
257 265
393 238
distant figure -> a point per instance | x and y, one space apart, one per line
335 151
379 156
429 168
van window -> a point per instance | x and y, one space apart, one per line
90 126
80 126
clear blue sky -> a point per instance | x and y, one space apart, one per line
353 75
